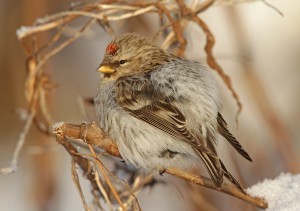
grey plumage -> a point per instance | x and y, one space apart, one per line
165 115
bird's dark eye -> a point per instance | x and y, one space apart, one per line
122 61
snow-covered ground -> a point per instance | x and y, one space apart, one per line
281 193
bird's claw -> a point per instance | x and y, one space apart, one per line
162 171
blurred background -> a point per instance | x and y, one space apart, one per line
256 46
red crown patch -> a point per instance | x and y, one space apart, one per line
112 48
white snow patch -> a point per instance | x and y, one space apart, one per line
23 30
281 193
57 125
41 20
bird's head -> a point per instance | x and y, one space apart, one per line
131 54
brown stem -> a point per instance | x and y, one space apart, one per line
226 188
210 42
176 28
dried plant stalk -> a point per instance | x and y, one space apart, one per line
78 186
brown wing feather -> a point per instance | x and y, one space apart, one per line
222 128
167 118
230 178
171 121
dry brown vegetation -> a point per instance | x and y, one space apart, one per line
174 17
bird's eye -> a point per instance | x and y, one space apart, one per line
122 61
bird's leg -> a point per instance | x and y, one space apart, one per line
166 154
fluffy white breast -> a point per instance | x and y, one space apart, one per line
139 143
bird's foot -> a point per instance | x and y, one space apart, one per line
162 171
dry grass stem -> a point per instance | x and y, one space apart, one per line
111 186
78 186
103 191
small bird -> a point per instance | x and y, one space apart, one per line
162 111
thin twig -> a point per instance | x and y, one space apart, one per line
14 162
26 31
203 6
76 181
226 188
176 28
103 191
109 183
61 47
273 7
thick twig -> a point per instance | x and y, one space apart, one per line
95 136
84 164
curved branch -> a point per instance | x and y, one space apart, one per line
210 42
94 135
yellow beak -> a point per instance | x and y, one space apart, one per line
105 69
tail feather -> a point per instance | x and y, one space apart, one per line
230 177
222 128
217 170
213 165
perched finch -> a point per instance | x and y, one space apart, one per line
162 110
